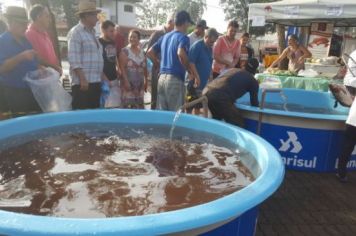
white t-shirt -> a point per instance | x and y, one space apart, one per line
349 79
193 38
351 119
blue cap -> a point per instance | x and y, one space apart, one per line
202 24
182 17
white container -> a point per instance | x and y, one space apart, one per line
323 70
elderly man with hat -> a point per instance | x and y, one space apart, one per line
85 58
173 49
198 32
223 92
17 57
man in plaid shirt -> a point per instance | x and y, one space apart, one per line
85 59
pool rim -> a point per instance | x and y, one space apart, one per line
271 176
316 116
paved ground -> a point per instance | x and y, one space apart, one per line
310 204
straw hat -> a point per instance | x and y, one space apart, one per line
87 7
16 13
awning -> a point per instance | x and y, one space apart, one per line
303 12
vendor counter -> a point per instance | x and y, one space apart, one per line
307 83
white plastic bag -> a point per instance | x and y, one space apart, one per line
114 98
308 73
147 100
48 91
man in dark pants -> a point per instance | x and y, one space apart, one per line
348 143
223 92
155 70
85 59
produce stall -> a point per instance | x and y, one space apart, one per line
290 81
317 75
324 18
332 25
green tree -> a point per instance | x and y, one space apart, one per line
195 7
152 13
68 7
238 9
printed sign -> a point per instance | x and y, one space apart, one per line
334 10
291 12
320 39
258 21
291 142
302 148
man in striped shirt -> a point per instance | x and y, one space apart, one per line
85 59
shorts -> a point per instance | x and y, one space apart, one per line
170 92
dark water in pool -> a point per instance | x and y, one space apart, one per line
109 170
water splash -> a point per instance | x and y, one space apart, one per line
176 117
285 100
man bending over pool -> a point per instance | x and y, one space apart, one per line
223 92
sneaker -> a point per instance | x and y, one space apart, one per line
342 179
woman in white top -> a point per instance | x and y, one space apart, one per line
246 52
133 65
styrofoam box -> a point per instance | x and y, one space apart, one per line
324 70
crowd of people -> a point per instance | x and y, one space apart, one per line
24 48
182 64
185 67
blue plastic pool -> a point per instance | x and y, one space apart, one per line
308 134
234 214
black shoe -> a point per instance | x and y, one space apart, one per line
342 179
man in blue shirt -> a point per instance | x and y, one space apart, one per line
201 60
173 48
155 70
17 57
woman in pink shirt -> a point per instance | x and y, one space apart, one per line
39 38
226 50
